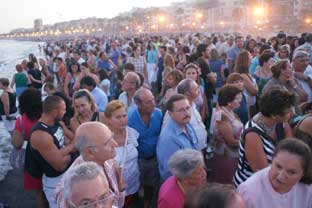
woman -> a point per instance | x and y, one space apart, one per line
227 130
7 105
151 59
263 73
126 153
263 132
192 71
188 171
286 183
85 72
71 77
30 108
214 195
283 52
35 76
283 78
85 109
139 62
242 64
20 80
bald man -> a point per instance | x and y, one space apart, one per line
99 147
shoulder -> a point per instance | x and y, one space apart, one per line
132 133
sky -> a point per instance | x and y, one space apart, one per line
21 13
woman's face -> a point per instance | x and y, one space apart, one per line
270 62
171 81
236 102
199 176
283 54
191 73
74 68
287 72
285 172
119 119
83 105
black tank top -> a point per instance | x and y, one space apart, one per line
12 104
35 164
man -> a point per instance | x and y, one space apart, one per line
77 57
104 63
300 64
176 134
190 89
307 46
114 52
130 84
87 185
49 152
234 51
99 95
146 119
98 147
160 65
225 47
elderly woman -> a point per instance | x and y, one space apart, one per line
283 78
227 130
287 183
263 132
7 104
214 195
85 109
188 169
126 151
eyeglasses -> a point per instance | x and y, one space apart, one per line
181 110
104 202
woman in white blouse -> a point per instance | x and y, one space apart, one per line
126 152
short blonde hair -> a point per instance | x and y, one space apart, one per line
112 106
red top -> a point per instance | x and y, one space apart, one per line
27 125
170 194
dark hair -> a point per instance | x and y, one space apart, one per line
74 63
30 65
277 67
49 85
5 81
200 49
163 47
301 149
173 99
227 94
264 47
129 66
51 103
30 103
89 81
265 57
275 102
213 195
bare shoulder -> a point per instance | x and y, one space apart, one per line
41 139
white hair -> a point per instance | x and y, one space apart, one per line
183 162
82 172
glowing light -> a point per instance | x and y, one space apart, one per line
308 20
199 15
161 18
259 11
221 23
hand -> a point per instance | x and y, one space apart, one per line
121 182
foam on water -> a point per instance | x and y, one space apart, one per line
11 53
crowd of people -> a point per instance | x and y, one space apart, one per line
165 121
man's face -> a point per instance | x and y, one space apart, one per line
60 111
181 112
301 63
239 42
129 83
147 102
162 52
103 146
90 192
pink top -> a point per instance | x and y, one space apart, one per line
170 194
257 192
27 125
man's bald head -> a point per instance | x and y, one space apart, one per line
87 133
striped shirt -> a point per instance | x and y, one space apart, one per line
244 170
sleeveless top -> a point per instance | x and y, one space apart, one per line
303 136
244 170
35 164
12 104
21 80
95 117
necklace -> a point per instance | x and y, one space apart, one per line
267 129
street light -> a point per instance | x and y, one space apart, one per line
199 15
308 20
259 11
161 18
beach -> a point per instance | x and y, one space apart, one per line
11 181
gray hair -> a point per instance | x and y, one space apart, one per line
300 53
82 172
183 162
185 86
82 142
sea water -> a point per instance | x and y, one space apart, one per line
12 53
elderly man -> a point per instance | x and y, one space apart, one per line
98 147
48 152
177 133
86 185
188 170
130 84
146 119
300 64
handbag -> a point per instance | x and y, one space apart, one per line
17 156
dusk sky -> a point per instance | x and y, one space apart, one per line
21 13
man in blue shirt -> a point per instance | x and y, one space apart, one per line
147 119
177 133
234 51
99 95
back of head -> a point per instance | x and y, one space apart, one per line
88 81
185 86
30 103
51 103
